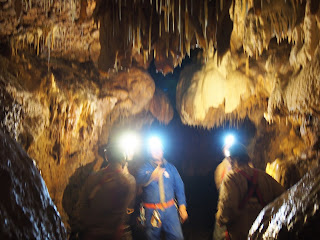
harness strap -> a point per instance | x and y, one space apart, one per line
163 205
226 235
253 189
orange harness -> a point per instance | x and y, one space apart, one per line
159 205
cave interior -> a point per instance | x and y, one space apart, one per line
75 73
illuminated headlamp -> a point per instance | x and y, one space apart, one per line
129 144
155 142
228 142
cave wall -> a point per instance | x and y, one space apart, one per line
62 115
26 209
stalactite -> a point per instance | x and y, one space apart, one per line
120 10
173 20
205 10
145 56
168 15
48 45
150 29
116 62
186 23
113 19
205 15
160 7
39 34
157 7
179 21
129 33
165 20
133 38
188 47
167 46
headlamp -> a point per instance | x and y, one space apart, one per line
129 144
155 142
228 142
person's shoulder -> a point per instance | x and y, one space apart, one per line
263 173
232 176
170 166
130 178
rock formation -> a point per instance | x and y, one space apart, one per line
294 215
26 209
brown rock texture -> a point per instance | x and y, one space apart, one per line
61 116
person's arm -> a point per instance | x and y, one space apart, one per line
132 194
180 195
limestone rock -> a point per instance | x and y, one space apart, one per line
294 215
26 209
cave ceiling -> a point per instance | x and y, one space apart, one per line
251 50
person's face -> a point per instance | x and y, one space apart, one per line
157 153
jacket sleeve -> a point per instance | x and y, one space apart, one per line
143 176
179 188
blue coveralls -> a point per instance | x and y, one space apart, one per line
173 188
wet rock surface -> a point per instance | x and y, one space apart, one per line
26 209
294 215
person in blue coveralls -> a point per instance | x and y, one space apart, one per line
162 185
